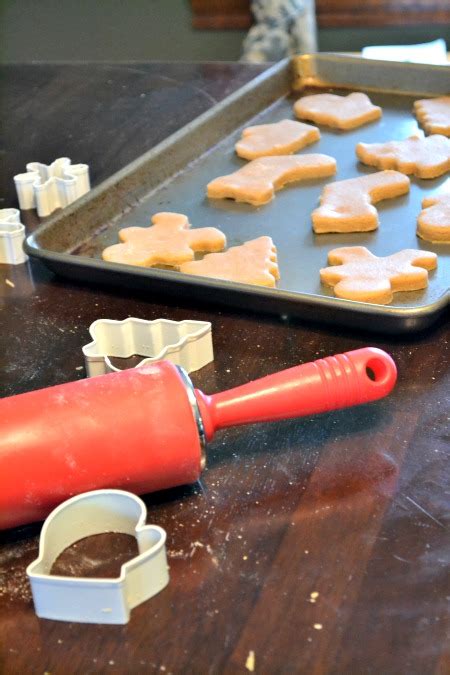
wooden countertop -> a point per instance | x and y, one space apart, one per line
351 505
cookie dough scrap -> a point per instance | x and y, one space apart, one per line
281 138
433 223
357 274
340 112
347 205
434 114
255 262
169 241
423 157
256 182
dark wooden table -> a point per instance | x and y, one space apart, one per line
352 506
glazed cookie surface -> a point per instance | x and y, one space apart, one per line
357 274
256 182
433 223
423 157
280 138
169 241
340 112
254 262
347 205
434 114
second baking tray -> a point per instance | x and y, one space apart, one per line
173 177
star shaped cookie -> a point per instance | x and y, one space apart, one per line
423 157
357 274
170 241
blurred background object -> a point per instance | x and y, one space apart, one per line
282 28
197 30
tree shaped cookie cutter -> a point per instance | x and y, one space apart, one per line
53 186
185 343
12 235
95 600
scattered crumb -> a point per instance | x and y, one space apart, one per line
250 663
318 626
306 552
79 368
60 642
244 557
313 596
111 663
10 283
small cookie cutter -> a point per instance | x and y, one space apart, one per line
93 600
185 343
12 236
53 186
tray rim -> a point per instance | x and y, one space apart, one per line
293 67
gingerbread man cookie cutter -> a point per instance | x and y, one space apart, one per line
12 236
185 343
98 600
53 186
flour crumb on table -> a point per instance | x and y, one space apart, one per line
250 663
10 283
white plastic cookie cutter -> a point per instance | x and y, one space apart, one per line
12 235
94 600
49 187
185 343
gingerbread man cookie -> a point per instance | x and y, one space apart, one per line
347 205
281 138
357 274
168 242
256 182
433 223
255 262
424 157
340 112
434 114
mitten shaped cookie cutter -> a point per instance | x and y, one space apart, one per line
94 600
185 343
12 235
53 186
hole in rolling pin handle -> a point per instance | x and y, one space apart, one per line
376 369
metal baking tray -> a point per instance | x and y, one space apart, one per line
173 176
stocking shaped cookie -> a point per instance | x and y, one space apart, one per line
256 182
433 223
168 242
357 274
423 157
255 262
434 114
281 138
347 205
341 112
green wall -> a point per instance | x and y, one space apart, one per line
120 30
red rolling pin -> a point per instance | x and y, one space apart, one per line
144 429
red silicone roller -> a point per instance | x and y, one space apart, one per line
144 429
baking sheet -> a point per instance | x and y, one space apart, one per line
72 243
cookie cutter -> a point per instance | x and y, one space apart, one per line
53 186
12 236
185 343
95 600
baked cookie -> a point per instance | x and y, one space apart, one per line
341 112
347 205
434 114
433 223
423 157
256 182
255 262
168 242
281 138
357 274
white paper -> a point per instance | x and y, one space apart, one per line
429 52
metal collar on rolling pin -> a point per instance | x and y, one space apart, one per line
95 600
185 343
